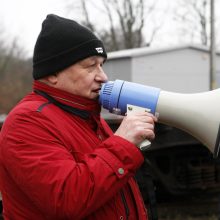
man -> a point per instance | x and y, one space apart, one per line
59 159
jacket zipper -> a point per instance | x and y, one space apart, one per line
127 211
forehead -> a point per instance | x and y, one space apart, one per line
98 59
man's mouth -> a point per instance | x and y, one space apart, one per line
96 90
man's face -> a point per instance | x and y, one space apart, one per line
83 78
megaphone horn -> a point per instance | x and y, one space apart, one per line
198 114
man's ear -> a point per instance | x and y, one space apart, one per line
52 79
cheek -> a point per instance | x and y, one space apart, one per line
67 84
87 82
81 87
79 84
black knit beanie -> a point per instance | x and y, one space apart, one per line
61 43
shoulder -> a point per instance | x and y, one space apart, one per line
28 110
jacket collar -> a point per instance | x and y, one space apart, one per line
69 99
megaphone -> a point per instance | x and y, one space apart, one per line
197 114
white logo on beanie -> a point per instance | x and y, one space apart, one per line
99 49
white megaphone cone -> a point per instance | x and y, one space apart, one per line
198 114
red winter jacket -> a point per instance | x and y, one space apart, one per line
56 165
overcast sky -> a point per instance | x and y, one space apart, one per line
23 18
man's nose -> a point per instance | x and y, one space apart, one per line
101 76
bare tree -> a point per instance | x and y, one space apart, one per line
87 21
193 18
3 52
125 20
6 56
15 82
217 23
15 74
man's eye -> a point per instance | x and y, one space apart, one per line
91 64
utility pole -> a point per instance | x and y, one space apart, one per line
212 46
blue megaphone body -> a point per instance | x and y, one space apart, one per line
115 96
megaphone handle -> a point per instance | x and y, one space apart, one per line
144 145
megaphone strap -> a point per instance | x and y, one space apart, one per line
217 144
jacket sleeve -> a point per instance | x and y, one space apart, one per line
56 182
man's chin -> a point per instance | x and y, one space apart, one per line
95 96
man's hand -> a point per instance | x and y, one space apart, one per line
137 126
